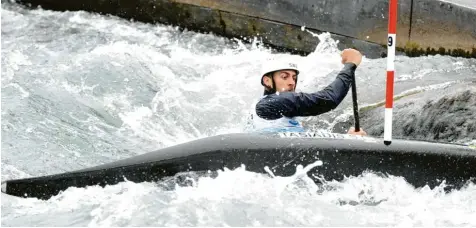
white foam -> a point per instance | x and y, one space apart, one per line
241 198
23 92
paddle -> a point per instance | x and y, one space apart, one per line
356 108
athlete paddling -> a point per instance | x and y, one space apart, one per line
280 104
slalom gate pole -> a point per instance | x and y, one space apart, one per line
391 41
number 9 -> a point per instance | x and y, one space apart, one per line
390 41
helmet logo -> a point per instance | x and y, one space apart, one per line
292 65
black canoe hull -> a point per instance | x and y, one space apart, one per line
420 163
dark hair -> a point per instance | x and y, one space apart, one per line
269 90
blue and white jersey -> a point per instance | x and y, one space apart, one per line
283 124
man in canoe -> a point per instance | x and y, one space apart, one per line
280 104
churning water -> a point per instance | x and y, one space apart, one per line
80 89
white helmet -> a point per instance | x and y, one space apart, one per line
275 65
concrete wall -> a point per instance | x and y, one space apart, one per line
351 18
438 24
360 24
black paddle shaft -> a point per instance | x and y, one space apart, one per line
354 101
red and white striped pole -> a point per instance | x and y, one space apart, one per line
391 42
